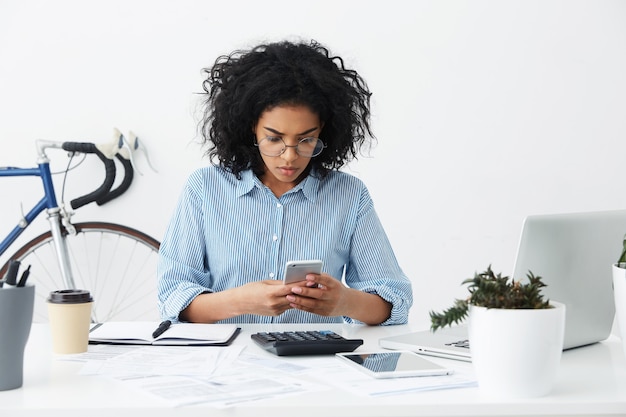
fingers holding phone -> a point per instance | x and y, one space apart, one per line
296 271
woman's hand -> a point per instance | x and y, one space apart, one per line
266 298
320 294
324 295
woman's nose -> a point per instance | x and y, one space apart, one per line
290 153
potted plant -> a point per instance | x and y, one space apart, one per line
515 334
619 294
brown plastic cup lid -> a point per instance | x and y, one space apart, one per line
70 297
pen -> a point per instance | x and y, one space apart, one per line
11 276
162 328
24 277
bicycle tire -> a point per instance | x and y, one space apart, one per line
116 263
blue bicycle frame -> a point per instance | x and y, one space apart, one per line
48 203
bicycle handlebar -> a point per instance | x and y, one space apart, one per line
121 189
119 148
101 194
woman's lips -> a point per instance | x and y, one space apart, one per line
287 171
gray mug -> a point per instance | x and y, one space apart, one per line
16 316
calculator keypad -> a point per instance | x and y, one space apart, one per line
311 342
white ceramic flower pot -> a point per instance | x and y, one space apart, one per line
516 353
619 294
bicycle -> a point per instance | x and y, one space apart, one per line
116 263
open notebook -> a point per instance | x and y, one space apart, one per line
178 334
573 253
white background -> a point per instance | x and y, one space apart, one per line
485 111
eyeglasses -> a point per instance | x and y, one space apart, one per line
275 146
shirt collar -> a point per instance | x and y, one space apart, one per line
247 182
309 185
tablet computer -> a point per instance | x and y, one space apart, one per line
393 364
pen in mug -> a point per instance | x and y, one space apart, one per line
11 277
24 277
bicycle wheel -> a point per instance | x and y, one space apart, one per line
117 264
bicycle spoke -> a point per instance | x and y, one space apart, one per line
115 263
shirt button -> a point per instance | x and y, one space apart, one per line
271 275
279 205
274 238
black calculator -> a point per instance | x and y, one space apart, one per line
310 342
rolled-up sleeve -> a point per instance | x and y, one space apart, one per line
182 272
373 266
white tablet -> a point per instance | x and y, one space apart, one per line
393 364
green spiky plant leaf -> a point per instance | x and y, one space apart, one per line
491 290
621 262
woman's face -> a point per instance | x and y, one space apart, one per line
291 124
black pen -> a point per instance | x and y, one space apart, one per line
162 328
24 277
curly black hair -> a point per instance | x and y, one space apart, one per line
239 87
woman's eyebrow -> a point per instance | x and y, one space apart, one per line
276 132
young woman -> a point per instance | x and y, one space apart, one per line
279 122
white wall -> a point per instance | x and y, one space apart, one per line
485 111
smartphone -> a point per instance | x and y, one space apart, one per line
297 270
393 364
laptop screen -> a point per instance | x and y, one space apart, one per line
573 253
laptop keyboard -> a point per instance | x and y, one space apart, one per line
461 344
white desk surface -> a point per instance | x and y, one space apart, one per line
591 382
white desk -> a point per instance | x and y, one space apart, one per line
591 382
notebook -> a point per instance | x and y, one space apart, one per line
573 253
178 334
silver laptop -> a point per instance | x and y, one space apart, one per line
573 253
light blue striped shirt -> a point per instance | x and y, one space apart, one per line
227 232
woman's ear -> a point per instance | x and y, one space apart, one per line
254 133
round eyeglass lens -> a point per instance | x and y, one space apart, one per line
310 147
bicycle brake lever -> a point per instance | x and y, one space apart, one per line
125 151
112 148
138 146
119 145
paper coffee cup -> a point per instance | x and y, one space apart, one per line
69 312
